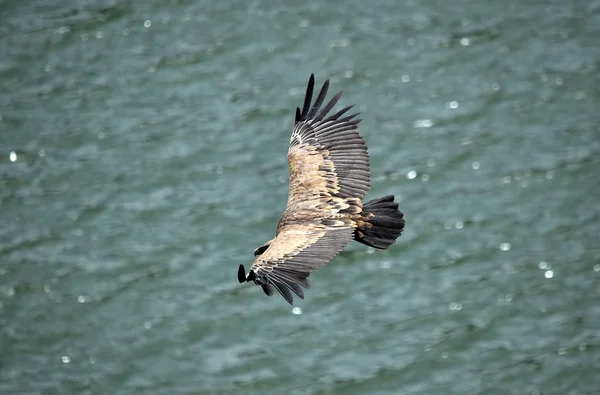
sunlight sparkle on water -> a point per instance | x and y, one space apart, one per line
411 175
452 104
65 359
296 310
549 274
13 156
505 246
423 123
544 265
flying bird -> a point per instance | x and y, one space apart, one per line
329 176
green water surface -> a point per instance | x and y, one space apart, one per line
142 159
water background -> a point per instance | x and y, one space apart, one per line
142 159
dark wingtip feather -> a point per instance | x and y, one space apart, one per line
315 112
339 113
267 289
296 289
303 281
284 291
242 274
308 97
329 106
349 117
322 94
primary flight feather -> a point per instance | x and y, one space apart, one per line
329 176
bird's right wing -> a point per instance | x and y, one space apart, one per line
298 250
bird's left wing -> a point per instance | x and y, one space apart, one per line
298 249
327 156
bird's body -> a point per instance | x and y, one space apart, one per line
329 176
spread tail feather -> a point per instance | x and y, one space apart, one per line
384 225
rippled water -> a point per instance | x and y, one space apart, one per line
142 159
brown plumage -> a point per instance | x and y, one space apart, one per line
329 176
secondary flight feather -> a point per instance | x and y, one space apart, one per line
329 177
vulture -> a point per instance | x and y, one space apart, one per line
329 177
